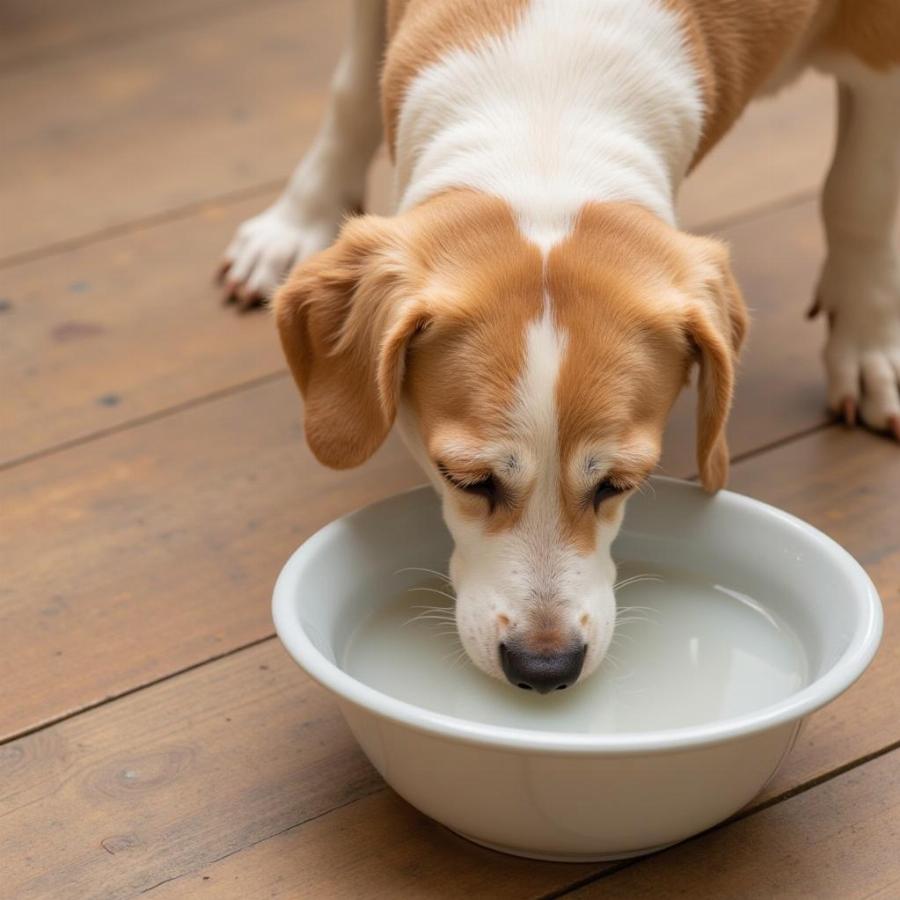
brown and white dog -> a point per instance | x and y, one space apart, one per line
531 311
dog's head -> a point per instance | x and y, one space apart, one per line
533 387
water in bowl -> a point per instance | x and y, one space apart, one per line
686 651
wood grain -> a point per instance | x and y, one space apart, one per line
342 855
129 131
121 329
780 148
218 105
157 547
125 796
837 840
237 813
32 31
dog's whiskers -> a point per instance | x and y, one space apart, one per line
612 659
428 617
622 620
431 590
634 579
436 574
439 613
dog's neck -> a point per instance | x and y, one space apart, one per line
591 100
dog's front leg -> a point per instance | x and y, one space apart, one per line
330 180
859 288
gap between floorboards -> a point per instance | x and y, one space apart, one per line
137 421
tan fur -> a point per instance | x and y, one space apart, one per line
640 302
420 32
737 46
868 29
347 314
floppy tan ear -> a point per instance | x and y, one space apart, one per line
344 317
717 324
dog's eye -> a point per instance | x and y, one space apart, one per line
484 486
605 490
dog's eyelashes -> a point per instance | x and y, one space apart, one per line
485 486
605 490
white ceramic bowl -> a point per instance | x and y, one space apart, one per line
566 796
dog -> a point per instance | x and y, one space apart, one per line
530 313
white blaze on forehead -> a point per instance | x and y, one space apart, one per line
535 420
534 415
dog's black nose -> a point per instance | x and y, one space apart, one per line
541 672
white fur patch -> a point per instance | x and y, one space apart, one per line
584 100
535 415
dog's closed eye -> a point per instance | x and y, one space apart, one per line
481 484
605 490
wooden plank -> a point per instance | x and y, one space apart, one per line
836 840
225 799
119 799
123 300
32 31
229 103
163 121
144 305
157 547
781 147
341 855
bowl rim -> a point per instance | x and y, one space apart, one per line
859 652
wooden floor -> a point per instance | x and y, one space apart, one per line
156 738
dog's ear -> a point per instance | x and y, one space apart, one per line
345 317
716 324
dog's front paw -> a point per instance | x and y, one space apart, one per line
264 250
862 355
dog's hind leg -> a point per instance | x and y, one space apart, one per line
859 288
330 180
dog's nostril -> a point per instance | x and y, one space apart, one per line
525 687
562 687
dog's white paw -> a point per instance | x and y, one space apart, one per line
266 247
861 295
